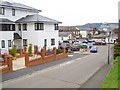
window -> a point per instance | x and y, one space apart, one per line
13 12
24 27
24 42
19 27
3 43
39 26
2 10
7 27
52 41
13 27
9 43
45 42
56 26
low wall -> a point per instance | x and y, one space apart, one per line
41 60
8 63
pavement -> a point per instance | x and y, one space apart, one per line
96 80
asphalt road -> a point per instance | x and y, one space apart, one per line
30 70
70 74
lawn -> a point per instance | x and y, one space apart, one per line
111 80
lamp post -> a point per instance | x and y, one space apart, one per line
109 47
108 51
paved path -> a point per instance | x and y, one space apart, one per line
71 74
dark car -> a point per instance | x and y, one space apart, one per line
74 48
94 49
67 46
85 41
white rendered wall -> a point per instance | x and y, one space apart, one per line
18 14
6 35
37 37
83 33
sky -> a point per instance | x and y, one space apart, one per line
76 12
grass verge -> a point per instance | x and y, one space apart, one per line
111 80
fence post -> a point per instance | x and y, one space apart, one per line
43 53
58 47
5 58
64 50
35 49
25 49
45 49
10 52
21 51
10 65
26 59
54 50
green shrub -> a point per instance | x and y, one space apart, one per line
30 48
83 46
14 51
59 51
117 49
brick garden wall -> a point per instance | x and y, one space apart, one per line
44 58
6 64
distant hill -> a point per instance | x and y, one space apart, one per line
96 25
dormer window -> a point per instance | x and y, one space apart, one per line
2 11
13 12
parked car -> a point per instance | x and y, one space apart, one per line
90 41
85 41
94 49
74 48
90 45
99 43
67 46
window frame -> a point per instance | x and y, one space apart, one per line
19 27
25 27
52 41
13 12
2 43
56 26
7 27
26 42
45 42
3 11
39 26
9 43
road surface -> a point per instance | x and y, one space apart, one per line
70 74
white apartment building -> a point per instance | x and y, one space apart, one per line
21 25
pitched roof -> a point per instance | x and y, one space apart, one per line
17 5
69 28
36 18
64 34
5 20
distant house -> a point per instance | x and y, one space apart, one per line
65 36
21 25
68 32
86 32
